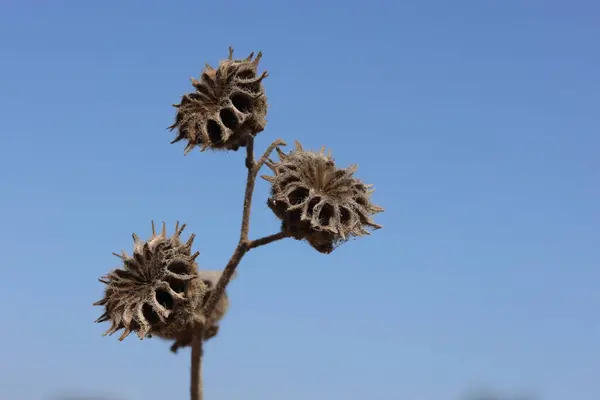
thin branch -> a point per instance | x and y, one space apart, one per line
216 294
258 165
244 245
242 248
250 181
250 153
266 240
197 386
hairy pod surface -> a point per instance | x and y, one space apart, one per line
318 202
158 290
228 106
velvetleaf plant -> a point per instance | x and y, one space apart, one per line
159 290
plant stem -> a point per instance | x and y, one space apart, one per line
244 245
250 182
266 240
197 387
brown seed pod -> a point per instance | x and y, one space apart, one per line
211 328
228 106
158 290
318 202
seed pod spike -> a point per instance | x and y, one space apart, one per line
280 153
376 209
143 332
188 148
177 139
190 240
100 302
257 59
270 164
114 327
270 179
102 318
263 76
125 334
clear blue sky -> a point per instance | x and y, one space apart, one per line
478 122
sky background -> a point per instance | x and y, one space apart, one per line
478 122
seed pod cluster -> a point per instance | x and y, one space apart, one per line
228 106
318 202
158 291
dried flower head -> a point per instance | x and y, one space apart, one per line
317 201
158 291
228 106
211 327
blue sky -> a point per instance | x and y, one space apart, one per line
477 122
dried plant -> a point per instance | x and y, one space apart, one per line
159 291
317 201
228 107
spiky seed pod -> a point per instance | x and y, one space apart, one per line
158 290
228 106
318 202
211 328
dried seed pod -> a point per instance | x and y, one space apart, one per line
158 290
211 328
228 106
318 202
